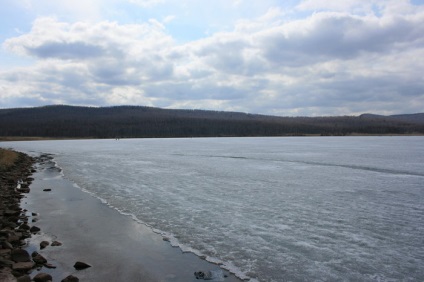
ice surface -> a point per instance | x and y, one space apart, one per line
272 209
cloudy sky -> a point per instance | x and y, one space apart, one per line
290 58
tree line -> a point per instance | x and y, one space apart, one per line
63 121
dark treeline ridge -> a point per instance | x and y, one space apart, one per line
62 121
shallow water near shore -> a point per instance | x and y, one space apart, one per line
117 247
270 209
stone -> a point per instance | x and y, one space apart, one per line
6 245
44 244
34 229
6 262
24 226
24 278
4 252
39 259
20 255
81 265
7 277
70 278
42 277
205 275
49 265
56 243
23 265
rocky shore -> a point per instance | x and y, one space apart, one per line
16 263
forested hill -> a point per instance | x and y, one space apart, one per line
136 121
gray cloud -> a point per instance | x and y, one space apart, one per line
66 50
327 63
330 36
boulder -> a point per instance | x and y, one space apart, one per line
34 229
23 265
24 226
7 277
56 243
6 262
70 278
24 278
20 255
42 277
6 245
49 265
81 265
39 259
205 275
44 244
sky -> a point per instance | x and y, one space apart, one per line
286 58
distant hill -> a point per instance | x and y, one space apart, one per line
414 118
61 121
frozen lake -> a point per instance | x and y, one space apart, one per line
270 209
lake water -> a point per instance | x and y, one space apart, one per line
269 209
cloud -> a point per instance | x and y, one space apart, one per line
346 59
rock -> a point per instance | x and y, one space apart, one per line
6 245
81 265
23 265
205 275
47 190
6 262
24 278
4 252
44 244
42 277
23 190
49 265
70 278
19 255
7 277
39 259
56 243
34 229
24 226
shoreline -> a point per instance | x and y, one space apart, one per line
29 138
115 246
15 170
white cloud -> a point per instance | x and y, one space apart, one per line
147 3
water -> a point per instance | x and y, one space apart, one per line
269 209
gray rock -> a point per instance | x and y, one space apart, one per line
81 265
70 278
56 243
34 229
6 245
23 265
24 278
49 265
7 277
39 259
19 255
44 244
42 277
6 262
205 275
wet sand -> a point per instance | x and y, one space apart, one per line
117 247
